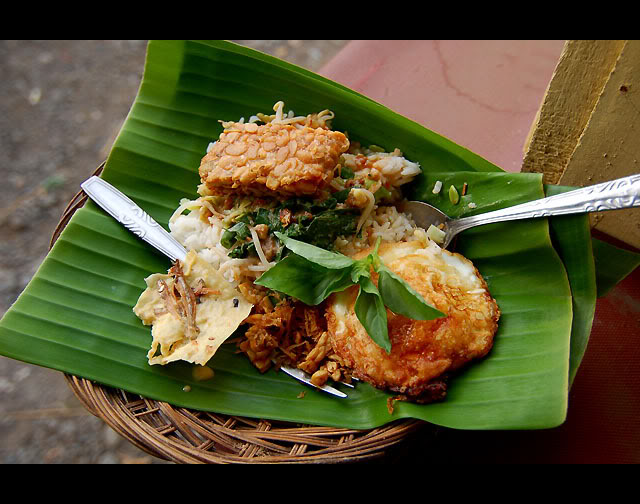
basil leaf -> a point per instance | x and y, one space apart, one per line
304 280
402 299
368 286
317 255
372 314
361 268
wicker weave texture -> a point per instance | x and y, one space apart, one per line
187 436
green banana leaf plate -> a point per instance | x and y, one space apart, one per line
76 315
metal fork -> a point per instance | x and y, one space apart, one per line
304 377
140 223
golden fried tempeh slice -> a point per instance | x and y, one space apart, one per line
258 160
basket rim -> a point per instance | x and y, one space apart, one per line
188 436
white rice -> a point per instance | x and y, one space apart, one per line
386 223
194 233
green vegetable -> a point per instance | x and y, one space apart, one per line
315 222
400 298
309 205
311 274
372 314
454 197
327 226
325 258
268 217
347 173
228 239
239 231
305 280
382 193
242 251
341 196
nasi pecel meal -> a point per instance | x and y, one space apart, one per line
297 247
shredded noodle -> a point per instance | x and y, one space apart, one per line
256 242
368 209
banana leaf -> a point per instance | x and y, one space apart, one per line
613 264
566 231
75 315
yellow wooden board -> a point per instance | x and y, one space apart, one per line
588 125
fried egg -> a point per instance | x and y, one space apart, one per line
423 352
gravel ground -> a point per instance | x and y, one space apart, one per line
63 103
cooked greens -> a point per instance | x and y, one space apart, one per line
311 221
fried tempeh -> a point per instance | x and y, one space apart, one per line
254 159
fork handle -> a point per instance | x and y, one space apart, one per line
613 195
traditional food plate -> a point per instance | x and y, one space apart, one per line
76 314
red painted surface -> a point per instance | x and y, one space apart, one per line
484 95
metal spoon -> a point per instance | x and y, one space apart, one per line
140 223
613 195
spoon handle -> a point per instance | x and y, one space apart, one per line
136 220
613 195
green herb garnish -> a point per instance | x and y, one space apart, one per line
382 193
454 197
311 274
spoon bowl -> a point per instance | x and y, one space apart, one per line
425 216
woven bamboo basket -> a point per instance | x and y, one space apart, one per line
188 436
